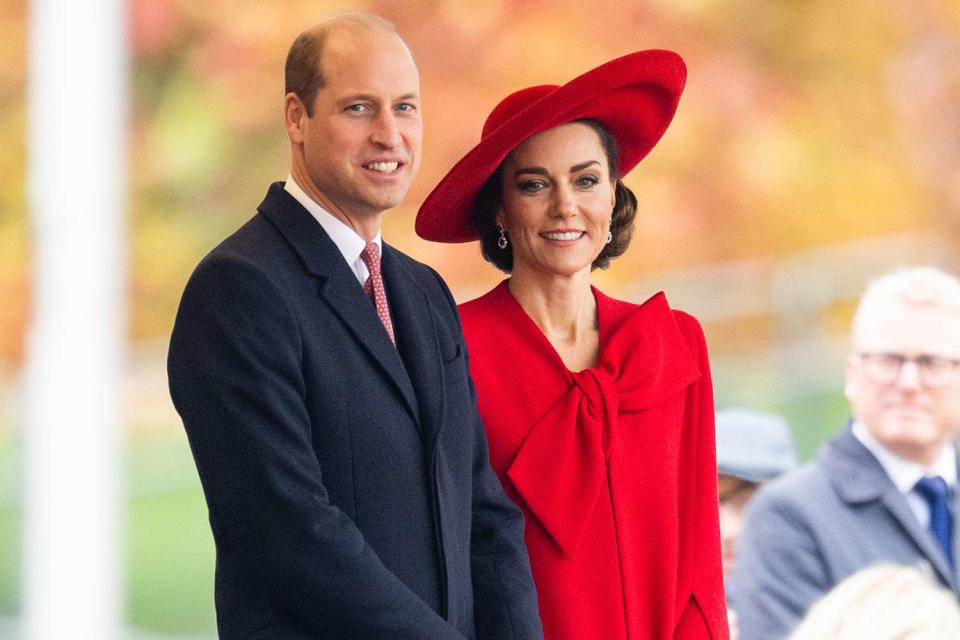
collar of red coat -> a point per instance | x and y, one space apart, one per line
561 468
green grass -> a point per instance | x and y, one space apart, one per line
170 554
9 561
814 418
169 549
815 410
9 525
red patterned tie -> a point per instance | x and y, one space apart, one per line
374 286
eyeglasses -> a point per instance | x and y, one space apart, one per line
933 372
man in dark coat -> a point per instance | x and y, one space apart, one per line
322 379
885 489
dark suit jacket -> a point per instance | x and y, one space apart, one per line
809 530
347 481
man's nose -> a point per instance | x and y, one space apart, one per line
386 132
909 375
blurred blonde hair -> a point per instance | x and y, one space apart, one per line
911 287
883 602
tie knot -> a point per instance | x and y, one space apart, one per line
371 257
932 488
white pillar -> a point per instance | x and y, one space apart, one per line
77 123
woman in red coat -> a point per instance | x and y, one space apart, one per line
599 412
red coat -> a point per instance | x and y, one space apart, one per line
614 467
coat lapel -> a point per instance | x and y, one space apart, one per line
339 288
900 510
859 478
955 512
416 331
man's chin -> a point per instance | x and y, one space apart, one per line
382 202
912 440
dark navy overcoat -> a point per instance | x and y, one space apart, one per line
347 480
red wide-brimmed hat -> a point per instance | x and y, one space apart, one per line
634 97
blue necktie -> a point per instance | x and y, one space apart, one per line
935 491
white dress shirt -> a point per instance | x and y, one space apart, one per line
347 240
906 473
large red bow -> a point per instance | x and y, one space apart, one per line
561 467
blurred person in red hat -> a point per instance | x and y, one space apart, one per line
599 412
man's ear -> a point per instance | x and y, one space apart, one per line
851 382
294 117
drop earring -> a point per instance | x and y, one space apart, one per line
502 241
609 237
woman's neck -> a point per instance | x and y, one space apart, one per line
566 312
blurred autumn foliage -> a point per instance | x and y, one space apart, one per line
803 123
814 137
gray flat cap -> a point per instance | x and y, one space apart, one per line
752 445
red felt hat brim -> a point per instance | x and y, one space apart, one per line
634 97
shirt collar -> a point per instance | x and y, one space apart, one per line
906 473
347 240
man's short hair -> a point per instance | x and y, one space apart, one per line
302 72
914 287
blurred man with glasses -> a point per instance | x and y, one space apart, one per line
884 489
